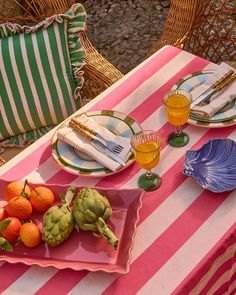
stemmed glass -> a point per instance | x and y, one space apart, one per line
146 146
177 108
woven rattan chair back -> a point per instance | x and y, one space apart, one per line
206 28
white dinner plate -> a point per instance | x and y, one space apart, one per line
225 117
75 162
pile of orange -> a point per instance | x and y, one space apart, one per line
22 200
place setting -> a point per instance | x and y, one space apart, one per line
95 143
213 96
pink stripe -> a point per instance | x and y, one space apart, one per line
226 287
150 105
191 281
10 273
62 282
62 177
165 246
220 272
233 291
29 163
137 78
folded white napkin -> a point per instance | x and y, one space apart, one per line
217 103
70 136
219 100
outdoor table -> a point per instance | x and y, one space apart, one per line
185 239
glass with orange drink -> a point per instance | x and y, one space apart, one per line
177 108
146 146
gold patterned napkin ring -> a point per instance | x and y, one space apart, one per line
82 126
223 79
81 131
226 82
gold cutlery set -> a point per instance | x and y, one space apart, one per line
108 147
216 87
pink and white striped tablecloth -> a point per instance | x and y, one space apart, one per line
185 241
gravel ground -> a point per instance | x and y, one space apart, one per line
124 31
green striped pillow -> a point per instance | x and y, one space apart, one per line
40 75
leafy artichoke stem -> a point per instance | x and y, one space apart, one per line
106 232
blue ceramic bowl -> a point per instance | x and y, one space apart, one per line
213 165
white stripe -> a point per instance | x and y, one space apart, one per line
9 92
31 81
19 85
43 78
54 74
156 81
64 67
146 233
32 280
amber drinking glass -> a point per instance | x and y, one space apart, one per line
146 147
177 108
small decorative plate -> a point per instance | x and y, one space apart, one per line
82 250
225 117
75 162
213 165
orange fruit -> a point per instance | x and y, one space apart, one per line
19 207
15 189
41 198
30 234
3 213
11 233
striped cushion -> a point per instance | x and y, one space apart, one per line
39 75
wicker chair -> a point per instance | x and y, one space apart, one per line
98 72
206 28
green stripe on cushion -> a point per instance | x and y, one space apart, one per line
13 91
48 76
37 82
5 132
20 60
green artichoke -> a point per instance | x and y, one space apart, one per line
91 211
58 221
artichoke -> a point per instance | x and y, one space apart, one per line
91 211
58 221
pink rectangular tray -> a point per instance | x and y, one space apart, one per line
82 250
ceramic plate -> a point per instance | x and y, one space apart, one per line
82 250
213 165
77 163
225 117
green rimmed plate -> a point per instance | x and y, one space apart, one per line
75 162
225 117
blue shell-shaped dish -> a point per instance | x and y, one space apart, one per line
213 165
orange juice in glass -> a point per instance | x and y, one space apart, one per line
146 146
177 108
